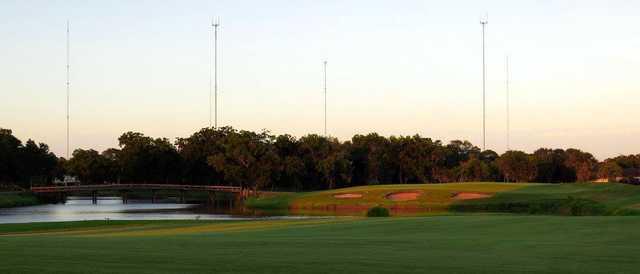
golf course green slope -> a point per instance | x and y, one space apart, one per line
563 199
420 199
15 199
437 244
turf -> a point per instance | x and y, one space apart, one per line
611 199
562 199
440 244
15 199
436 198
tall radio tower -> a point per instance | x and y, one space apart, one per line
508 76
214 24
68 82
325 96
484 22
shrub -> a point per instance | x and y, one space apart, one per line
378 211
15 199
561 206
281 201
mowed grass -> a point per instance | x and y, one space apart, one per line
582 198
14 199
150 228
608 199
435 198
439 244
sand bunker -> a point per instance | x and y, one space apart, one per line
470 195
347 196
404 196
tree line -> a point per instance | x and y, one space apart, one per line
260 160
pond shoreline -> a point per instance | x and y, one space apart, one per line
18 199
79 208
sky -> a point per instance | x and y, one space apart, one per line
394 67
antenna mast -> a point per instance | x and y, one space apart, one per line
215 65
483 22
215 24
210 81
68 89
508 109
325 97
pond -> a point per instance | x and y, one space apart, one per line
78 208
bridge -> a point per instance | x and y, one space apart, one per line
124 188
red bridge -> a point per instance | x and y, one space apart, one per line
52 189
124 188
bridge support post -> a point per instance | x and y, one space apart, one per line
94 197
62 197
212 198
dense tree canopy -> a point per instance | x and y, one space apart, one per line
259 160
517 166
25 164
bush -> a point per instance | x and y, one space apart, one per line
568 206
281 201
16 199
378 211
584 207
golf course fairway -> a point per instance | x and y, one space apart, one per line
438 244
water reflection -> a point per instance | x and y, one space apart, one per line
112 208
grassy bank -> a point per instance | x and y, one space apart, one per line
433 199
15 199
479 244
563 199
559 199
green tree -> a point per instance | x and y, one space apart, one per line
582 163
112 165
367 154
517 166
144 159
196 149
88 165
551 166
248 159
325 159
474 170
9 150
610 169
37 164
292 166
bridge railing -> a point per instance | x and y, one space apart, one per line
45 189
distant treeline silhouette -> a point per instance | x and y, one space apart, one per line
259 160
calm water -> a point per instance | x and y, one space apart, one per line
112 208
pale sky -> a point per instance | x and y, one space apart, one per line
394 67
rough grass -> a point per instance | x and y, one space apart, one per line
378 211
436 198
15 199
441 244
271 202
98 226
150 228
565 199
559 199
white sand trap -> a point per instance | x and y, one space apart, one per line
347 196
